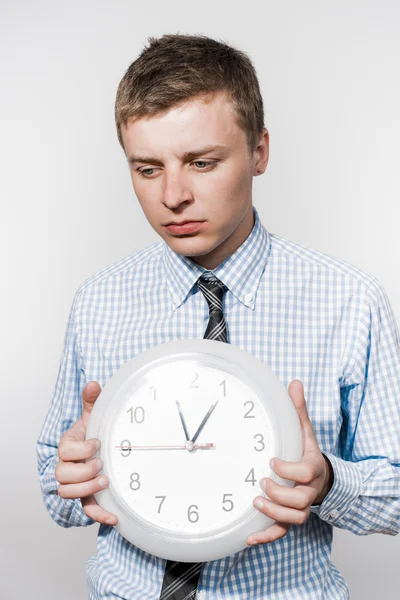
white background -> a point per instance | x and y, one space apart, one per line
329 74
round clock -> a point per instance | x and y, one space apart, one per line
187 430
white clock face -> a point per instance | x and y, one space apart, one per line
161 471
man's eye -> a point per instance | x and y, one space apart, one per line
204 164
143 173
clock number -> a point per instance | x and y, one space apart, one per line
154 393
250 477
223 384
248 415
163 498
137 414
224 499
261 441
194 381
195 518
125 451
135 481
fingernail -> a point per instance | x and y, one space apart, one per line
258 503
99 464
272 463
103 482
97 444
263 484
110 521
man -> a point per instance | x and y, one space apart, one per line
189 117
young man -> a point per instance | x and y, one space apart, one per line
189 117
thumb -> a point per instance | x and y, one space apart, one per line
90 393
296 392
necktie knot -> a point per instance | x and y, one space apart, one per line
213 290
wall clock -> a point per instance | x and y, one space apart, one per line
187 431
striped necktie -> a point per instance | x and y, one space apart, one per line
181 578
213 290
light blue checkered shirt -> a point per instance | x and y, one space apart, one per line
308 316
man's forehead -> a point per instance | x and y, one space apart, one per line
185 130
203 109
216 105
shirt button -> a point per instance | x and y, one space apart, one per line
248 297
201 595
334 513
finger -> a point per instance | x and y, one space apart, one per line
281 513
301 472
276 531
296 392
71 448
95 512
69 472
84 489
75 433
296 497
90 393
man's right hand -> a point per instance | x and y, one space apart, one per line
77 478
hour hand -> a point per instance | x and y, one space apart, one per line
182 420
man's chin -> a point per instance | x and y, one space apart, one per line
190 246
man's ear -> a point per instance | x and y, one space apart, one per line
261 153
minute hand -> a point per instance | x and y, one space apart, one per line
204 421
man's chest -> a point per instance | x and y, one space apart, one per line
297 337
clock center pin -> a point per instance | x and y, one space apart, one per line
189 446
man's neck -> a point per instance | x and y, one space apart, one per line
217 256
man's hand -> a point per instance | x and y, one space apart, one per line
313 475
77 478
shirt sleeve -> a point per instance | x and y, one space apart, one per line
365 496
65 409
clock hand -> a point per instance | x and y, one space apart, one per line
182 420
204 421
188 446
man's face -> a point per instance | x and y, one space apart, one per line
210 191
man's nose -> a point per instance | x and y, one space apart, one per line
176 191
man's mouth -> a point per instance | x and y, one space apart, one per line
184 227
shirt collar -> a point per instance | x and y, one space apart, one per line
240 272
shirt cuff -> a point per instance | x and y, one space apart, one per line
346 487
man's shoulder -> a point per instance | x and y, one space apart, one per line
127 266
317 260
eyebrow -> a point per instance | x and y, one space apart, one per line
186 156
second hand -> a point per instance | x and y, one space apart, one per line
188 446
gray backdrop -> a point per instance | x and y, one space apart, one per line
329 74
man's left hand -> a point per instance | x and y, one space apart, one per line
313 476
